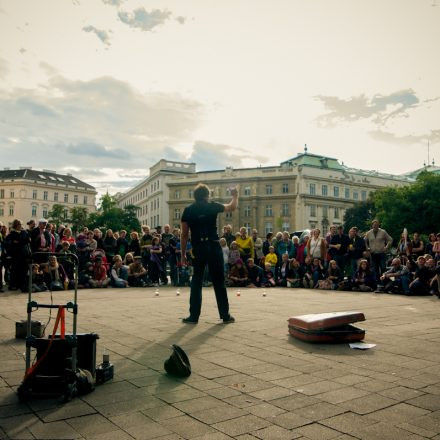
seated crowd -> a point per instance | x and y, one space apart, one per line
336 261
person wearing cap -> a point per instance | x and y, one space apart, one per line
200 219
31 226
41 241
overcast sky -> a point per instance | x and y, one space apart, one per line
105 88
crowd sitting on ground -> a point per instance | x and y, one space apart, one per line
336 261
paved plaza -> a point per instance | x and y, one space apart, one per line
250 379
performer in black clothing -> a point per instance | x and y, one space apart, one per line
200 218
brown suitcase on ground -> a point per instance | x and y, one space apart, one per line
331 327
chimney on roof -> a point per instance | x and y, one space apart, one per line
6 168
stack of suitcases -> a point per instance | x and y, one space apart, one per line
333 327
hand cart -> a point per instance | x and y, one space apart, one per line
55 372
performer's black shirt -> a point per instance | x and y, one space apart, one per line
201 218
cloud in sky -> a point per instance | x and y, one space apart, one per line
100 33
4 69
433 136
209 156
96 124
144 20
378 108
116 3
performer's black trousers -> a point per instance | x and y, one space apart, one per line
208 253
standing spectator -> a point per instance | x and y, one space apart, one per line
17 248
340 243
267 243
134 247
145 244
245 245
225 251
166 237
285 246
174 241
378 242
40 241
301 252
295 244
258 246
404 248
31 226
228 235
430 244
122 244
436 248
417 245
155 265
109 245
356 249
2 254
97 236
316 246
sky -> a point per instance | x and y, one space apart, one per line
103 89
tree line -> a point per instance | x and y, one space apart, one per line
415 207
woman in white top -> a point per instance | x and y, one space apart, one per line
316 246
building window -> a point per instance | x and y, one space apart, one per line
286 226
285 188
336 191
312 189
336 212
11 210
45 213
75 198
2 193
228 215
85 200
347 193
12 194
45 195
66 198
190 193
363 195
248 228
34 211
157 203
355 195
268 211
2 211
55 197
177 214
325 211
177 194
247 190
312 210
268 227
285 209
247 211
268 189
34 194
228 192
324 190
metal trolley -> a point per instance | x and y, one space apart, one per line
55 372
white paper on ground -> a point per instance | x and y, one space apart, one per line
361 345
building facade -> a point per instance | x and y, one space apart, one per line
152 194
306 191
30 194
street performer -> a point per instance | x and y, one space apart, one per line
200 218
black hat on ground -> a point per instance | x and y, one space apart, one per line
178 363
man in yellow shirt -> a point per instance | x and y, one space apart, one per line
245 245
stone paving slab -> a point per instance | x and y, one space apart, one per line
250 380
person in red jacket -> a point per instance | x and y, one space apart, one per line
100 278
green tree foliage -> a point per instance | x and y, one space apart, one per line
56 214
78 218
360 215
130 221
416 207
110 216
